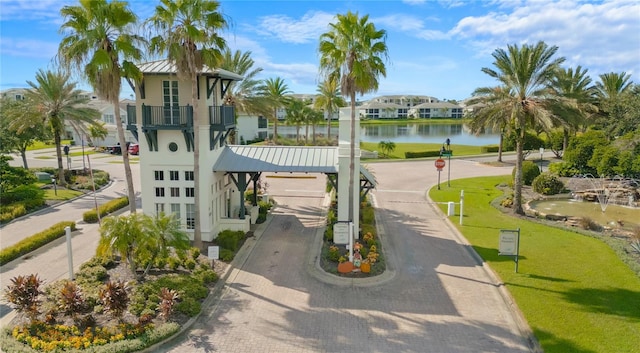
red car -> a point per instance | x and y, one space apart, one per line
134 149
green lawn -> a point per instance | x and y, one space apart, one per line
576 294
401 148
62 194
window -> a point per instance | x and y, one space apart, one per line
159 208
170 102
425 112
175 209
159 175
159 192
262 122
109 119
190 192
175 192
174 175
372 113
188 175
402 112
191 216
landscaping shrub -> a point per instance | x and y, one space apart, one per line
22 193
91 216
489 149
547 184
530 171
563 169
33 242
227 255
229 239
421 154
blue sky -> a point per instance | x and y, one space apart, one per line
436 48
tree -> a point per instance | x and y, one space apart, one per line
242 94
314 117
57 101
329 100
387 147
617 96
273 92
574 85
188 35
20 127
98 42
525 73
495 112
295 115
353 52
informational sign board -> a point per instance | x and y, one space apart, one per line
508 242
341 233
213 252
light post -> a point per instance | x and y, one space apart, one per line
541 155
446 151
55 186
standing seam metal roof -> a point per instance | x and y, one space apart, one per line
277 159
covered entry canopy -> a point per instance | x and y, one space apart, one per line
240 160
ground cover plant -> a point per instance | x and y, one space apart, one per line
574 291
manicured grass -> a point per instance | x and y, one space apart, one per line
62 194
38 145
401 148
576 294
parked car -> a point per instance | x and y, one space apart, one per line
114 149
134 149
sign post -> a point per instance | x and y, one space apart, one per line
509 244
439 163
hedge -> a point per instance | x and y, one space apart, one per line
91 216
489 149
33 242
421 154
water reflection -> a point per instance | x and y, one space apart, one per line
410 133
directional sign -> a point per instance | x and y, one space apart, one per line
440 163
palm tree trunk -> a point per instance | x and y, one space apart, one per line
329 125
275 125
517 183
197 231
58 142
500 147
565 139
125 156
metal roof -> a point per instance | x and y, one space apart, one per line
167 67
277 159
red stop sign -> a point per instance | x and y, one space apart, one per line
440 163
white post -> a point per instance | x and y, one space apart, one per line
67 229
351 242
461 205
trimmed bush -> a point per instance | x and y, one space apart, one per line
91 216
530 171
422 154
547 184
33 242
489 149
563 169
230 240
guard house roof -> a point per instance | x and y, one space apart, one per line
281 159
167 67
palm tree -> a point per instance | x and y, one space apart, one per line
353 52
612 85
575 85
98 42
57 102
387 147
188 35
295 115
314 117
329 100
495 112
241 94
273 92
525 72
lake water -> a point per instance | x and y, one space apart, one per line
612 215
458 134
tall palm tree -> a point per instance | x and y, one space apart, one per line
314 117
273 91
57 102
576 85
241 94
611 90
495 111
526 71
353 52
189 36
613 84
98 41
329 100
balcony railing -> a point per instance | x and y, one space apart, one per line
131 115
222 116
167 117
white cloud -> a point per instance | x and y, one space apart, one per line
43 10
306 29
25 47
600 34
410 25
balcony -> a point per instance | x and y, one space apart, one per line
222 117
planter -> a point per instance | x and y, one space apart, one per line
365 267
345 267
